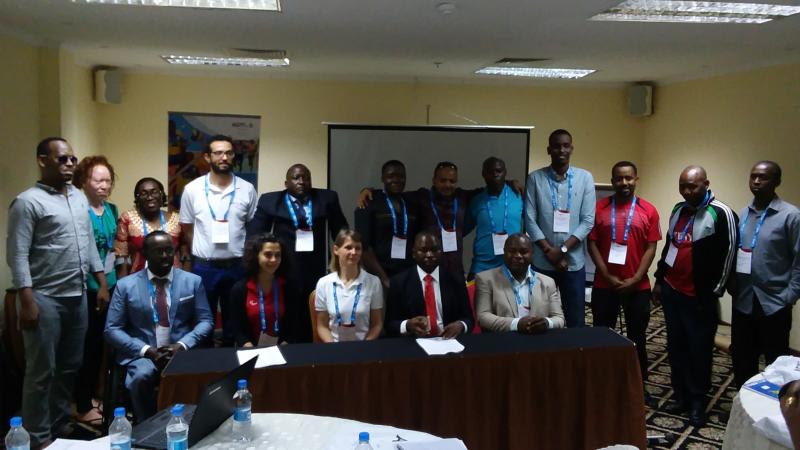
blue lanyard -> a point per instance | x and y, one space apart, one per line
233 194
682 236
627 223
531 284
153 301
505 211
394 215
293 213
97 221
755 233
436 212
554 189
261 306
163 223
338 320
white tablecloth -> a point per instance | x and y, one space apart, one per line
748 408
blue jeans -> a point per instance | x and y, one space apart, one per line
572 287
218 282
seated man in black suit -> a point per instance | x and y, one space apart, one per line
424 301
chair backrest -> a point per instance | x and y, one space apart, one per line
476 329
313 313
12 335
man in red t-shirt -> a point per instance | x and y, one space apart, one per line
622 245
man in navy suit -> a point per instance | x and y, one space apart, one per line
154 314
300 215
424 301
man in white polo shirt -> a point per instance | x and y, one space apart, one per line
215 209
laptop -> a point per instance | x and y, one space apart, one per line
214 407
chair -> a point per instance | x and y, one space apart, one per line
476 329
12 335
313 313
114 391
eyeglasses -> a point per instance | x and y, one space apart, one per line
63 159
219 154
148 194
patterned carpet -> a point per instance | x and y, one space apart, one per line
679 434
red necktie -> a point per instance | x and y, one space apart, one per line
161 302
430 305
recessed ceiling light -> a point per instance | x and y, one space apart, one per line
217 61
535 72
694 12
258 5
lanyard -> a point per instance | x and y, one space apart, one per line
98 222
505 211
755 233
163 223
394 215
233 194
338 320
436 212
261 306
153 304
627 223
554 190
682 236
531 284
293 213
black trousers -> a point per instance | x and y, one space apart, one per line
89 375
756 334
691 327
636 306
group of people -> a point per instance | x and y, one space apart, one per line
399 271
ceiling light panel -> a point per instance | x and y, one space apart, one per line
534 72
217 61
257 5
695 12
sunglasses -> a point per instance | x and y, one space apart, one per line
63 159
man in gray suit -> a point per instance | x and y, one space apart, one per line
513 297
154 314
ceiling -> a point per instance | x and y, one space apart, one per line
403 39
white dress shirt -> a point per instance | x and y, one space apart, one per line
161 331
371 298
437 292
524 309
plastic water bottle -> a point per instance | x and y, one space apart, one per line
177 430
120 431
242 413
363 441
17 438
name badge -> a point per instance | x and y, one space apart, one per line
560 221
220 233
162 336
399 247
672 253
266 340
744 259
618 253
108 264
499 242
345 333
449 242
304 241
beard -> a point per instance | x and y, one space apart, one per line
222 171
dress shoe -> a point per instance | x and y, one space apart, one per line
697 414
675 407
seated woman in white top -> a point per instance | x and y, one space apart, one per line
349 301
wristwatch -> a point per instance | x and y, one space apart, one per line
564 249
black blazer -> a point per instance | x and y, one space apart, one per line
292 327
273 215
406 300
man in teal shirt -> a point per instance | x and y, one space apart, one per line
496 213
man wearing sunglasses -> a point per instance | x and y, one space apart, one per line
50 250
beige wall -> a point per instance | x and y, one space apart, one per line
78 110
725 124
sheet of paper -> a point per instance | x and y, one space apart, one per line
269 356
443 444
70 444
439 346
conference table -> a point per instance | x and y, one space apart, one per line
564 389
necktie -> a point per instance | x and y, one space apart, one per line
301 214
161 302
430 305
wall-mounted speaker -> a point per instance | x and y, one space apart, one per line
640 100
108 86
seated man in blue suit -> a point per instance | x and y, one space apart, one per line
153 314
425 301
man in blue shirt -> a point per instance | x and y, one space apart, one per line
559 213
495 213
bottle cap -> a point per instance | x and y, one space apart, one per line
119 412
363 437
15 422
177 410
242 384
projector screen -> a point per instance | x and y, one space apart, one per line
357 152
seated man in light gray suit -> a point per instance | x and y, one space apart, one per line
153 314
513 297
